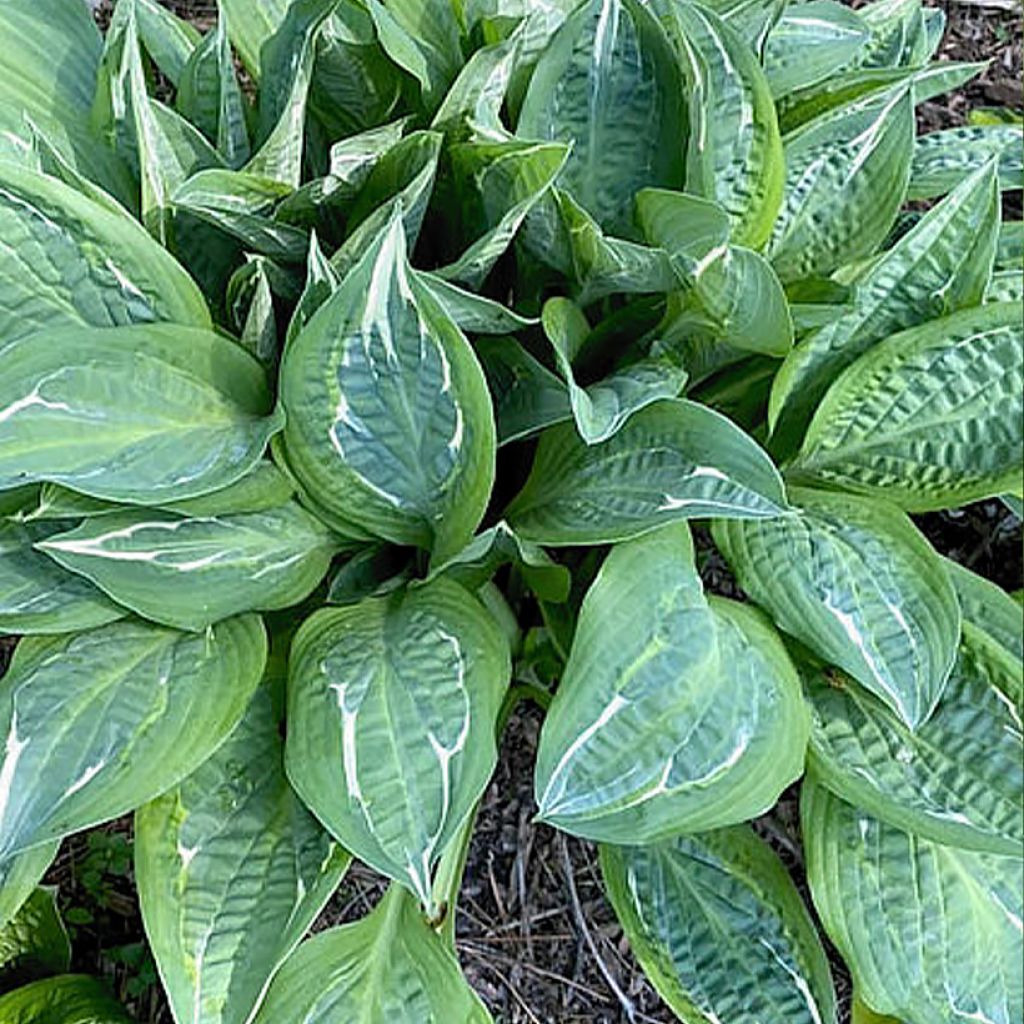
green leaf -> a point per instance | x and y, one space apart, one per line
846 178
941 265
673 460
168 39
475 314
1005 286
601 409
720 929
735 149
388 968
67 999
251 23
609 84
210 97
241 204
232 870
943 159
373 571
674 714
1010 249
391 713
478 561
855 581
527 396
503 180
929 418
147 414
861 1013
19 876
35 940
287 61
958 779
931 933
263 487
692 230
988 608
89 265
101 721
389 420
809 42
37 596
190 572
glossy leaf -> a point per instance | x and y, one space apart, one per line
735 149
37 596
67 999
720 929
809 42
608 84
958 779
674 714
673 460
68 260
147 414
955 434
232 870
101 721
35 941
190 572
391 712
941 265
846 178
930 932
856 582
601 409
388 968
942 159
389 422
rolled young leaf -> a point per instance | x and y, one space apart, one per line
674 714
735 149
720 929
855 581
232 870
388 968
146 414
98 722
191 571
672 460
958 779
931 933
930 418
389 419
392 705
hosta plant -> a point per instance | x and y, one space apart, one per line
364 368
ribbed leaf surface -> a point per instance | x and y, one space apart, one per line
391 711
958 779
930 418
673 460
856 582
145 414
720 929
98 722
673 714
931 933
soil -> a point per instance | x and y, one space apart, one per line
535 934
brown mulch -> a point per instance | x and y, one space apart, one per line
535 934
